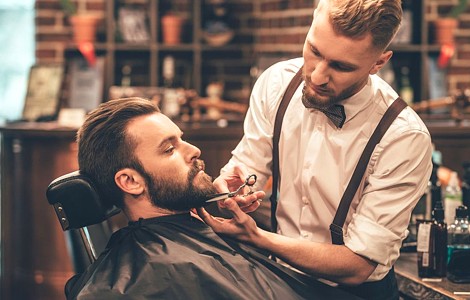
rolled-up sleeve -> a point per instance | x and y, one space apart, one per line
373 241
399 173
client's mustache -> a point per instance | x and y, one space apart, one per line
198 165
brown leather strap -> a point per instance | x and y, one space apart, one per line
291 88
336 228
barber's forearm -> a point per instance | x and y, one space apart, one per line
333 262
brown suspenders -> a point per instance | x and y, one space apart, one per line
291 88
336 228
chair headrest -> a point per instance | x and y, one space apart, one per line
76 201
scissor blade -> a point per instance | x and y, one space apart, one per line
217 197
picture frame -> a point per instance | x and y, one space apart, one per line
86 83
43 92
132 25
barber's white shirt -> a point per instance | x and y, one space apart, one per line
317 161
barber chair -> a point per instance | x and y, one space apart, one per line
83 216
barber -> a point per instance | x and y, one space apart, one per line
330 119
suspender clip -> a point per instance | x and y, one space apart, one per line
336 234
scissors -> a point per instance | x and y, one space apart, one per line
249 181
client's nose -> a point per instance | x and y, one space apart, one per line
193 152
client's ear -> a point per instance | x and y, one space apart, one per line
130 181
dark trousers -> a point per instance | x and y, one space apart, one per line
385 289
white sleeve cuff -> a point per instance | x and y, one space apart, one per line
373 241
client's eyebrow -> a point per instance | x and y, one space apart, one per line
169 140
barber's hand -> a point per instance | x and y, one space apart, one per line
248 203
241 226
230 181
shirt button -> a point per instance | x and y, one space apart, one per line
304 234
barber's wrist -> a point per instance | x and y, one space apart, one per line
261 238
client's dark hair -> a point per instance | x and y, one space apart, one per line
104 148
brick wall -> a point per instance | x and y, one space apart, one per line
264 28
53 32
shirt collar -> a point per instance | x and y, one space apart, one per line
357 102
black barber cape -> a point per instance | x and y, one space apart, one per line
180 257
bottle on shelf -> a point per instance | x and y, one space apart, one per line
434 182
126 75
406 90
453 197
170 104
439 237
168 71
432 235
466 184
458 268
424 250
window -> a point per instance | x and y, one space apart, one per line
17 54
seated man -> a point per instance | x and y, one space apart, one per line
138 160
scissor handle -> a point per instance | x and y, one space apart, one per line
246 183
222 196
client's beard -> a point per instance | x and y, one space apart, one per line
180 196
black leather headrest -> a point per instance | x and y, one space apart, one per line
76 201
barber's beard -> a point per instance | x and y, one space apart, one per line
173 194
326 101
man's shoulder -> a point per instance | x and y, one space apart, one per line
408 124
287 66
380 88
407 121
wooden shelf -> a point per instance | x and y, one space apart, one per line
187 53
414 287
415 55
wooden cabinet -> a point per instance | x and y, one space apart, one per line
34 259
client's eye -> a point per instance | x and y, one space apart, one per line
170 149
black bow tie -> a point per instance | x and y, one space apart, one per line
334 112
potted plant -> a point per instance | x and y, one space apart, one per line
83 23
445 27
172 28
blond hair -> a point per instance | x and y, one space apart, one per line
356 18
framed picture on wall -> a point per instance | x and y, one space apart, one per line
86 83
43 92
132 25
